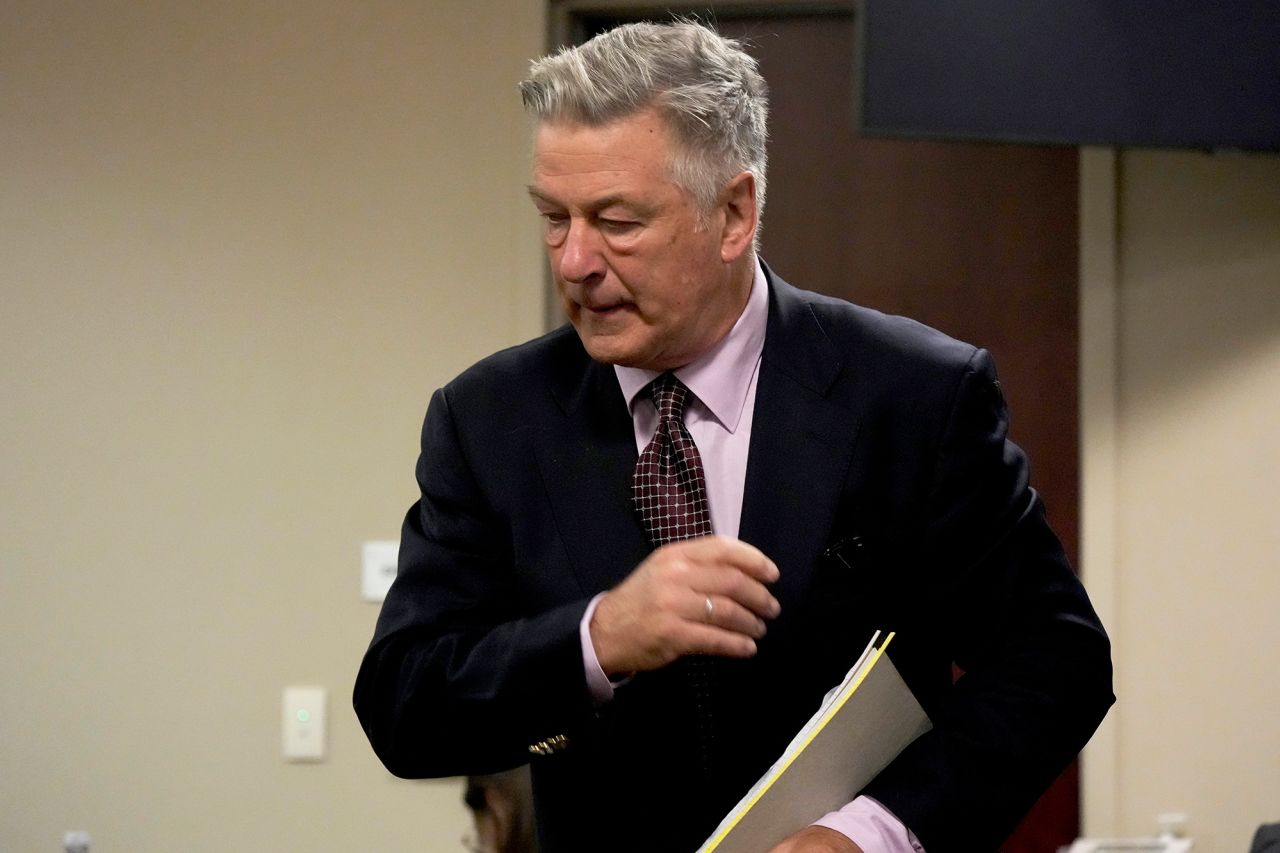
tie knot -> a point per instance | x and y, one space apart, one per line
670 396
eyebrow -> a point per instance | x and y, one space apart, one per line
535 194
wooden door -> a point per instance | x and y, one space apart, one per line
978 240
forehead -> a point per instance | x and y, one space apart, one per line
629 155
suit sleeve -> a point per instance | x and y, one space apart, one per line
459 678
1036 662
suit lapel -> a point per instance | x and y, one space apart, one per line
801 447
801 443
586 461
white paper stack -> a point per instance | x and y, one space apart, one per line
861 726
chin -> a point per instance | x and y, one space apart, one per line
607 349
623 357
601 351
606 355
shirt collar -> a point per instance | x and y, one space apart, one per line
721 377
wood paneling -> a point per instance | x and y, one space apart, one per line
978 240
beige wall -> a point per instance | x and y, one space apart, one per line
240 243
1182 489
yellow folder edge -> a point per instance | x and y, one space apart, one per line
831 712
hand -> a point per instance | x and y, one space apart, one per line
817 839
659 613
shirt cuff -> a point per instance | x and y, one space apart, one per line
872 827
598 684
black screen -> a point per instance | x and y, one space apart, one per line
1165 73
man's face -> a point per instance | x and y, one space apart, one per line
644 280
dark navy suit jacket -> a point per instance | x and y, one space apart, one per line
879 480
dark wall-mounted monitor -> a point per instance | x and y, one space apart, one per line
1163 73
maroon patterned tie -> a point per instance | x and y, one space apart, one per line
669 489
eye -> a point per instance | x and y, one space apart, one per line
554 222
618 226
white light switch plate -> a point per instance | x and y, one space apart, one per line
304 723
379 569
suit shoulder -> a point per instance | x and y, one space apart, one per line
873 339
516 375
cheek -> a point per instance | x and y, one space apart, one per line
567 304
553 259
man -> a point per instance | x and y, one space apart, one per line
558 600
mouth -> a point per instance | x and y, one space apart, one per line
604 310
595 304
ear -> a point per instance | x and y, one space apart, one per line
738 204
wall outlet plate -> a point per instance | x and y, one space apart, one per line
303 723
379 564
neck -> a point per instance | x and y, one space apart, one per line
741 273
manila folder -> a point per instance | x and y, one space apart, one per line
862 725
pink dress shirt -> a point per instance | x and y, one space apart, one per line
723 381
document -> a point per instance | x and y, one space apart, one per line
861 726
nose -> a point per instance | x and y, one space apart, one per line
581 260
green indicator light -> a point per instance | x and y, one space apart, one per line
304 715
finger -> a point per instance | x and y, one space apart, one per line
728 614
742 556
672 573
730 583
710 640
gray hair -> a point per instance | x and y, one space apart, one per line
706 86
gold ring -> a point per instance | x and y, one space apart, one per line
711 608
